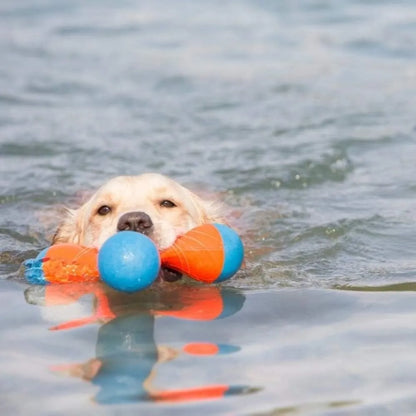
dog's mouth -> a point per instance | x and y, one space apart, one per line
141 222
169 275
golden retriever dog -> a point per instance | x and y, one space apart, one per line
152 204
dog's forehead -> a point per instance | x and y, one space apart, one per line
141 188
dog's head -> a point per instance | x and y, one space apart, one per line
151 204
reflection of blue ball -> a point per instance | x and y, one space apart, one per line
128 261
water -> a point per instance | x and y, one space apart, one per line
301 115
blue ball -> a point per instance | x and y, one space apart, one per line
128 261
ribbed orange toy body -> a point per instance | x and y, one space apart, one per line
63 263
68 263
199 253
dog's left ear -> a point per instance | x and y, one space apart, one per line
70 229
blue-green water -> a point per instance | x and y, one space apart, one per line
301 115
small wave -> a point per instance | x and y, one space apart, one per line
334 254
23 100
81 30
333 166
34 149
61 88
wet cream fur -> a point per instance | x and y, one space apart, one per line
143 193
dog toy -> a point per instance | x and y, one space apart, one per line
129 261
63 263
208 253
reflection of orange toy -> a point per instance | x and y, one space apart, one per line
204 304
208 348
194 303
201 348
64 295
186 395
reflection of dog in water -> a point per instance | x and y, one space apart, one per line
126 352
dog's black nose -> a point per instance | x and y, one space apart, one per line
135 221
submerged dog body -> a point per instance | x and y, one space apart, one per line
152 204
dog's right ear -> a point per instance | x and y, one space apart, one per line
70 229
207 211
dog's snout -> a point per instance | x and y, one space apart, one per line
135 221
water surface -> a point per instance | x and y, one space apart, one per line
301 116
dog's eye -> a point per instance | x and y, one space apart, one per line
104 210
167 204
